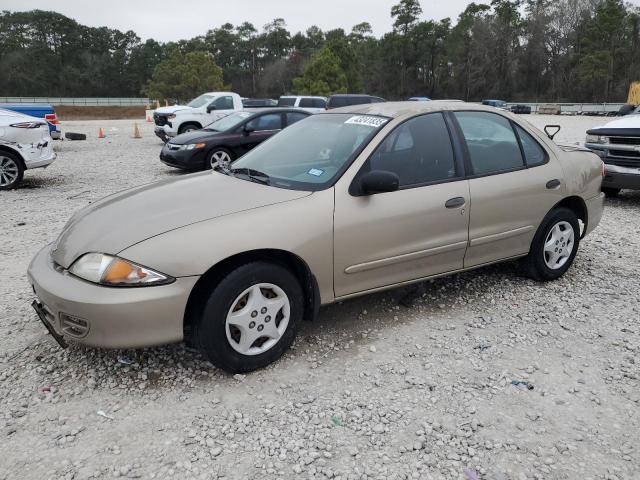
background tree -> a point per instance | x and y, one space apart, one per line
323 76
182 77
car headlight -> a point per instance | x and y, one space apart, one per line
171 117
116 272
192 146
597 139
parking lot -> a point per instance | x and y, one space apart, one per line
411 383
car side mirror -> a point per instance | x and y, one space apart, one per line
247 129
379 181
552 130
210 108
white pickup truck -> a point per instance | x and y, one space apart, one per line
198 113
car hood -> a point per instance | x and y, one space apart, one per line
195 136
119 221
171 109
628 121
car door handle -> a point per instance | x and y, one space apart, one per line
455 202
551 184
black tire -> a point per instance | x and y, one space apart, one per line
611 192
75 136
534 264
188 127
14 170
210 333
216 150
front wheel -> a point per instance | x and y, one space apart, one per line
554 246
219 157
250 318
189 127
11 171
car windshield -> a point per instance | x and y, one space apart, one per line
229 122
311 154
200 101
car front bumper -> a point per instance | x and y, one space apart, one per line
184 159
165 132
622 163
621 177
109 317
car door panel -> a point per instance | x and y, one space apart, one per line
398 236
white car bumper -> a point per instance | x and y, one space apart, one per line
39 155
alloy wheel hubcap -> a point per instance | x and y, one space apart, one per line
257 319
220 158
559 245
8 171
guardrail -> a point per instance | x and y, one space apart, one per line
574 108
93 102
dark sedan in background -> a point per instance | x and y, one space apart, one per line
227 139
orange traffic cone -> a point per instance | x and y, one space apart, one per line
100 133
136 131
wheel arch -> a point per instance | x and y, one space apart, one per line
217 272
5 148
189 122
578 206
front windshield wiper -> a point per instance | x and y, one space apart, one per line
223 168
253 175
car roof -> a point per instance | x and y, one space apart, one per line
402 109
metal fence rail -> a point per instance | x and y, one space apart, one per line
96 101
574 108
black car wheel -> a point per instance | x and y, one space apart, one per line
250 318
11 170
554 246
219 156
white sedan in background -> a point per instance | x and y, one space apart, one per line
25 143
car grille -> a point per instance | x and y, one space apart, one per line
74 326
160 120
624 140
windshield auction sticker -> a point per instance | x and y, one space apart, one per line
367 120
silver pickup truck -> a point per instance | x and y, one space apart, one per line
618 143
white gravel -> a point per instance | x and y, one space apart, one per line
373 389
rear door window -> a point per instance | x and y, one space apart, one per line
534 154
293 117
491 142
223 103
287 101
306 103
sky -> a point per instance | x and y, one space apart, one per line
166 20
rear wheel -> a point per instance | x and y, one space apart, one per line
611 192
250 318
11 171
554 246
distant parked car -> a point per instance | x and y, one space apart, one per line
227 139
495 103
259 103
310 104
347 100
37 110
25 143
618 142
201 111
521 109
419 99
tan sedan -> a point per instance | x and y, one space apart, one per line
341 204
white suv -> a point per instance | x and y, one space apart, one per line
25 143
200 112
310 104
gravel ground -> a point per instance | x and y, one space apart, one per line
402 384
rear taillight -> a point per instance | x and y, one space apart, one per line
27 125
604 169
51 118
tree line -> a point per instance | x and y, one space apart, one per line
519 50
